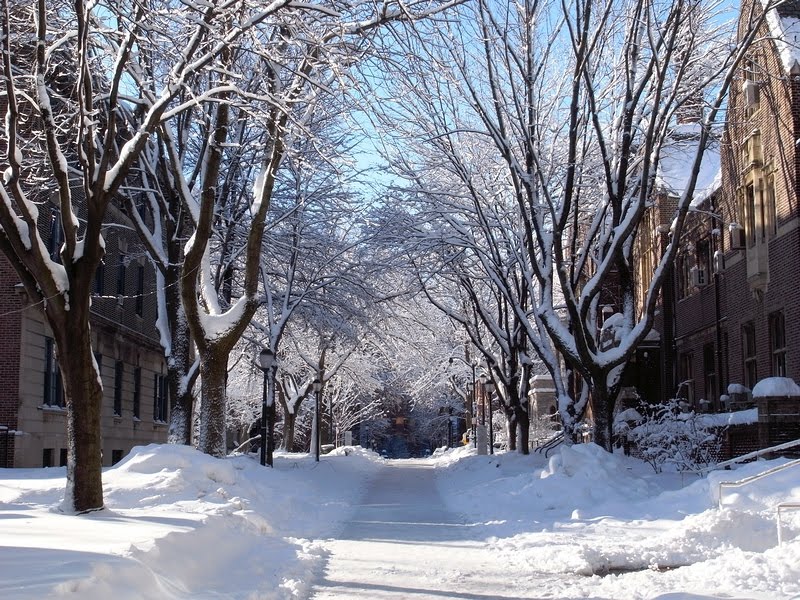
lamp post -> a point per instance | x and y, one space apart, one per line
266 360
317 386
490 387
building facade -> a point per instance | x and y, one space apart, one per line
127 352
730 311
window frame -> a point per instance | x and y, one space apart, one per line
749 354
777 343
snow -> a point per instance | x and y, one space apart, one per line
677 156
786 35
580 524
776 387
177 524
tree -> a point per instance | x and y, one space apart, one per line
576 101
65 70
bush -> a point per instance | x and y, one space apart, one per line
666 435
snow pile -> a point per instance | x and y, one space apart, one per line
776 387
178 524
605 517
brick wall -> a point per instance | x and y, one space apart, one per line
10 319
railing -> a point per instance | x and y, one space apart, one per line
550 444
751 479
783 506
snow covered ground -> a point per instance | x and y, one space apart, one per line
583 524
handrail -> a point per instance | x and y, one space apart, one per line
785 505
552 441
753 478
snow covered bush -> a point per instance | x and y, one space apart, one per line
666 435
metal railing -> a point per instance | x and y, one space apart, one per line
784 506
752 478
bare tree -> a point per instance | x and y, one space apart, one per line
65 72
576 101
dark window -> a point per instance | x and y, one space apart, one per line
686 385
160 399
749 354
116 456
119 370
100 279
53 389
710 374
750 199
47 457
772 208
56 238
137 391
704 260
121 274
684 272
62 457
140 290
777 343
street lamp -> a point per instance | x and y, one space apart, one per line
317 387
490 387
266 360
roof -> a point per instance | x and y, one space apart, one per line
784 24
678 153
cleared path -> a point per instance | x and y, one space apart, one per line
403 543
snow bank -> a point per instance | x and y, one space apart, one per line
621 527
179 524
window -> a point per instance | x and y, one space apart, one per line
750 208
119 371
121 274
710 373
684 279
702 272
56 237
752 93
100 279
686 385
53 388
160 399
777 343
137 392
772 208
749 354
140 290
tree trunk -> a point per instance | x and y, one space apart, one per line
602 410
83 393
289 422
179 357
180 418
511 427
213 406
523 427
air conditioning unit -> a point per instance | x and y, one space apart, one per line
699 277
752 95
737 236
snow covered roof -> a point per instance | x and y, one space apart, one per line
784 24
678 153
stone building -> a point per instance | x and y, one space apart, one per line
127 350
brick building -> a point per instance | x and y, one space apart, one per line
135 404
730 310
